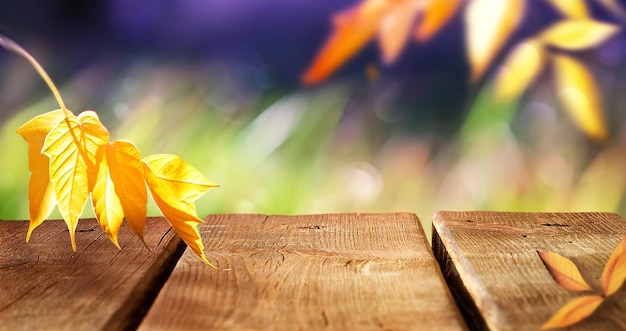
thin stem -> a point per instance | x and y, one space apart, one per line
12 46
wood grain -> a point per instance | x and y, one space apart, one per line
44 285
332 272
491 265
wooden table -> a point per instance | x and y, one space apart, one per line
338 271
330 272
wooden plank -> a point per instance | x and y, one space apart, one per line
332 272
490 262
46 286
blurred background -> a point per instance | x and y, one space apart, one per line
218 82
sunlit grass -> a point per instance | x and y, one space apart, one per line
295 152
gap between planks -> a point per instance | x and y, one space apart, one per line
491 266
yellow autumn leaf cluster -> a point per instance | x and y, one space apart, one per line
72 159
567 275
488 24
393 22
575 86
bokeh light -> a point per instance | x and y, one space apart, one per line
217 82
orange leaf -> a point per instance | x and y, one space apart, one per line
126 173
175 185
520 69
395 28
576 89
436 15
353 28
73 148
578 34
564 271
574 312
488 25
618 276
106 204
571 8
40 192
614 271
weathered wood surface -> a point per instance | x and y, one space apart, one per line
44 285
332 272
490 262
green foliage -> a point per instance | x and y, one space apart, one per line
503 158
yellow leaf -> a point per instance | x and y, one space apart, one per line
612 275
576 89
36 130
72 147
126 172
68 171
436 15
574 312
571 8
488 25
353 28
40 192
175 185
578 34
106 204
564 271
520 69
395 28
95 135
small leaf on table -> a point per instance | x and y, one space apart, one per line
614 271
564 271
574 312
